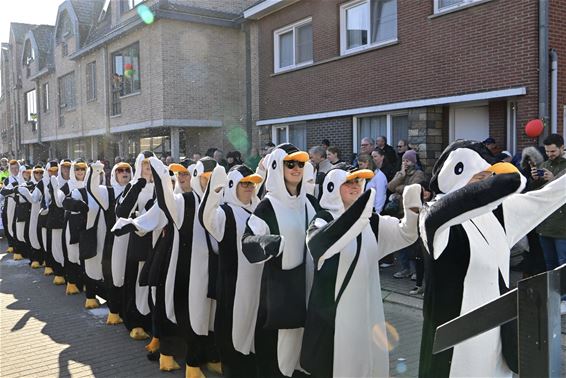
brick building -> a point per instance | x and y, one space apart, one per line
109 79
431 71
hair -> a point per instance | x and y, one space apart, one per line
366 158
379 151
554 139
326 142
335 150
369 140
383 137
405 142
318 150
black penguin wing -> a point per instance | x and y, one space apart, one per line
261 240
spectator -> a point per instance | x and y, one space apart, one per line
379 181
552 231
267 149
325 144
504 156
402 147
197 156
169 160
253 160
419 249
406 176
233 158
218 155
491 145
333 155
365 161
367 145
117 160
210 152
318 158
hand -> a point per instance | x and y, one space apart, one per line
218 179
412 197
534 174
97 167
548 176
403 170
141 183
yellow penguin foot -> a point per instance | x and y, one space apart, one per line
113 319
92 303
48 271
71 289
193 372
35 265
215 367
153 345
168 363
138 333
10 250
17 256
59 280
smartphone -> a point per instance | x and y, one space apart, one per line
540 172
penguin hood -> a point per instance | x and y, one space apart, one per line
37 168
20 177
12 162
458 163
147 192
275 181
203 167
52 165
164 191
174 170
118 189
237 174
60 179
73 182
331 200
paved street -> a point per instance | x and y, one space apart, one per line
44 333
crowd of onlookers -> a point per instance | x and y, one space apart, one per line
398 166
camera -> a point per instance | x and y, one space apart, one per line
540 172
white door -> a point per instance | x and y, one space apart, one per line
470 122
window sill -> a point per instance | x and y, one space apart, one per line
91 100
116 116
355 53
69 110
294 68
130 95
457 9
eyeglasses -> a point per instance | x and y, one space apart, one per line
122 170
292 163
247 184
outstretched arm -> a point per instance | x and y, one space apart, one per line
259 244
210 214
55 193
327 237
98 192
129 200
523 212
151 220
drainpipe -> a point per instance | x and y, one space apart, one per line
543 65
553 91
248 85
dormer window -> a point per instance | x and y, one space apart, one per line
64 28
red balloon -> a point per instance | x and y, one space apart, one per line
128 66
534 128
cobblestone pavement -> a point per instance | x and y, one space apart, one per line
44 333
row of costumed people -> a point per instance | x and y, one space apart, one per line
247 273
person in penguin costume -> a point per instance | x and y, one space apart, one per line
22 212
228 203
345 331
52 169
58 190
137 198
113 257
9 209
75 223
275 238
479 213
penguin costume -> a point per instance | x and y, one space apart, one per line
275 238
33 196
42 190
345 332
478 215
58 189
224 216
8 211
75 223
22 214
113 257
137 198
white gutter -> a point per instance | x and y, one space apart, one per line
266 7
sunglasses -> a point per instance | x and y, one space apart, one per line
247 184
122 170
292 163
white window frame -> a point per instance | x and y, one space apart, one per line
274 129
343 38
276 34
389 125
465 3
45 97
512 126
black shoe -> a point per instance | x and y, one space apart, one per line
153 356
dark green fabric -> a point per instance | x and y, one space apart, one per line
555 225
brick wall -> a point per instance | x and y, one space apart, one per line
337 130
498 123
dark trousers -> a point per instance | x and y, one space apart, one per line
131 316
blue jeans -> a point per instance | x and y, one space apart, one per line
554 253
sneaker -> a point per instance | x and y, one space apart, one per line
562 307
414 277
385 265
417 290
402 274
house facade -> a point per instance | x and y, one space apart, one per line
428 71
111 78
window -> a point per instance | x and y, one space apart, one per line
367 23
126 68
127 5
293 45
67 92
79 149
91 81
45 97
445 5
31 108
295 134
64 49
392 126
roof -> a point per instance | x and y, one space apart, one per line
20 30
87 12
44 35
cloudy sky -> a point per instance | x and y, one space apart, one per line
28 12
